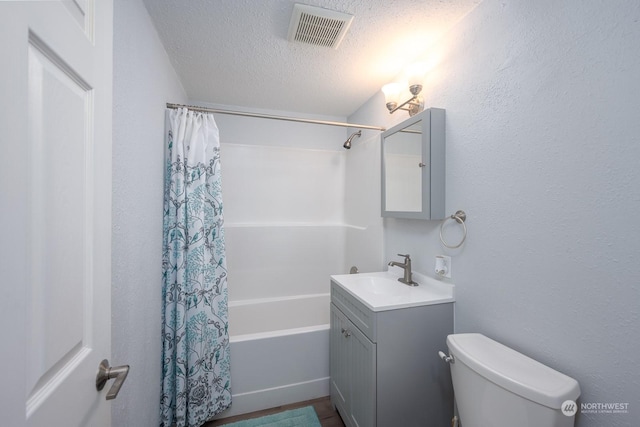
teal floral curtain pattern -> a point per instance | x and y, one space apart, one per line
195 353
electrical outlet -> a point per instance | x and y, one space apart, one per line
443 266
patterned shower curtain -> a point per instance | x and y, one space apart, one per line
195 354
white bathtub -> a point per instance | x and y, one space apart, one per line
279 351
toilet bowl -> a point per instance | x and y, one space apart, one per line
495 386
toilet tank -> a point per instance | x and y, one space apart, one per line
497 386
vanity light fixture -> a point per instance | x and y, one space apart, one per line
392 92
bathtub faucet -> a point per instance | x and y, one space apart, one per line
407 270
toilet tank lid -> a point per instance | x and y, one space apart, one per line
512 370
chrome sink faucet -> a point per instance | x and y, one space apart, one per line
407 270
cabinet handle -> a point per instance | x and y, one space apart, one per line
346 332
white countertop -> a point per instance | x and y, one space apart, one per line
382 291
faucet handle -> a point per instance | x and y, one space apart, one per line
407 256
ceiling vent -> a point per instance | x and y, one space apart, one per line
317 26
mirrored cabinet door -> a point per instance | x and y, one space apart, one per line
413 167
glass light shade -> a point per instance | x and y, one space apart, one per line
416 73
392 92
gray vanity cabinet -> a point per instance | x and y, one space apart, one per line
385 369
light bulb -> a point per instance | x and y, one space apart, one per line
415 77
391 94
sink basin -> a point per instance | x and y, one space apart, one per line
376 285
382 291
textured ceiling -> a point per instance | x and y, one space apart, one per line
236 52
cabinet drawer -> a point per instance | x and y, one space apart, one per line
363 318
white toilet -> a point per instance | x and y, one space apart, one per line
495 386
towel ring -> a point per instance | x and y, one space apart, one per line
460 218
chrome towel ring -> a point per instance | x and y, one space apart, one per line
460 218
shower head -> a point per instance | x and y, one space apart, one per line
347 144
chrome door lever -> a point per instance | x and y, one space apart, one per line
106 373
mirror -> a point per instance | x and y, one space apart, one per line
413 167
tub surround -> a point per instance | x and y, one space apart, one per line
288 226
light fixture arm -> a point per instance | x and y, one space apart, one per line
415 103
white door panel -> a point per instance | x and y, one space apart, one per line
55 170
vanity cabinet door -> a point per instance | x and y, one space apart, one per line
353 372
339 361
363 379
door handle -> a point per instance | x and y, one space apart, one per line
106 373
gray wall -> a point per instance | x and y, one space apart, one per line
143 82
542 101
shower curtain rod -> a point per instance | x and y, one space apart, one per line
269 116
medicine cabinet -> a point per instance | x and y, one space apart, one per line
413 167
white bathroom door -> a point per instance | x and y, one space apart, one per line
55 224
